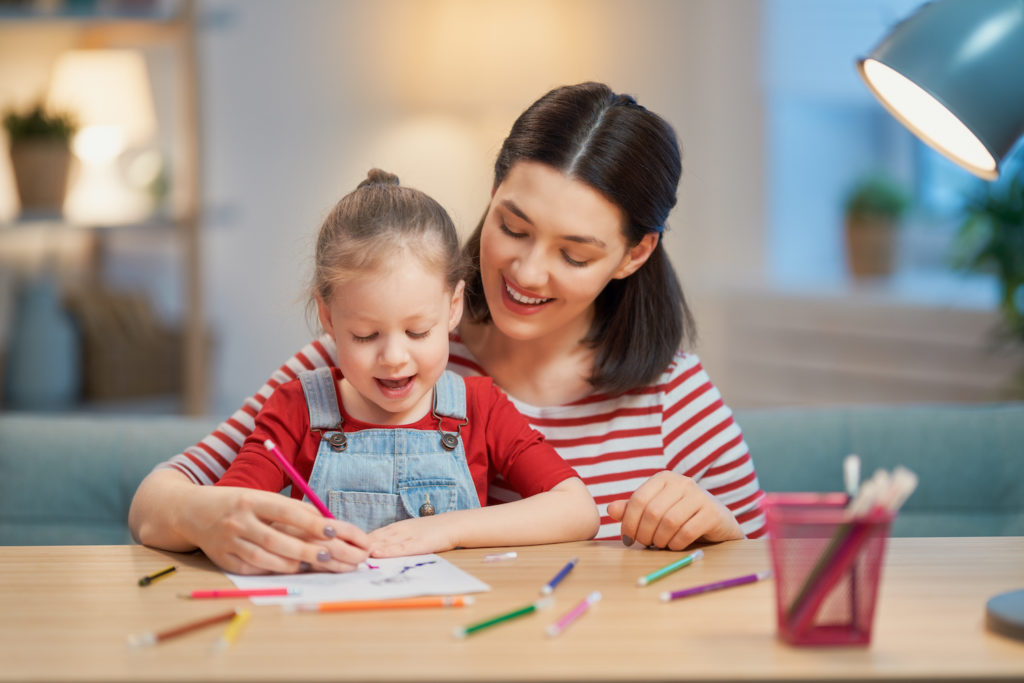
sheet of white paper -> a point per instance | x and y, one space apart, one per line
396 577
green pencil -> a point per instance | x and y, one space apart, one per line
678 564
463 631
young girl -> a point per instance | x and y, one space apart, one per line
576 313
392 442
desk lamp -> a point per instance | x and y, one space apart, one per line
953 73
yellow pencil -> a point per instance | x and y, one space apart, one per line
231 632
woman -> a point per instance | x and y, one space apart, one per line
574 310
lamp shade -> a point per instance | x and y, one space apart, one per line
953 73
106 89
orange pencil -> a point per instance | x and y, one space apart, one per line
400 603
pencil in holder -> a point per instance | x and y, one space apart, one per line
827 567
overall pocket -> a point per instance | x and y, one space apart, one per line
368 511
438 492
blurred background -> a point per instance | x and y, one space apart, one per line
195 146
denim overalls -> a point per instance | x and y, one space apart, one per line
373 477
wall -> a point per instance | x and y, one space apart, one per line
301 99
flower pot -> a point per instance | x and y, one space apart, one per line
870 245
41 174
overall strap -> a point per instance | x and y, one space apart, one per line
450 396
321 398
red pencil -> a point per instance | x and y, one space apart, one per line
238 593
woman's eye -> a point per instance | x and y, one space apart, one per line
367 338
417 335
505 229
573 262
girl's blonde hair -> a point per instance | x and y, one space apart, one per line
376 221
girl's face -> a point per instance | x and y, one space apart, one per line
391 329
548 247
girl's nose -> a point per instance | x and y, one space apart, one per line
394 352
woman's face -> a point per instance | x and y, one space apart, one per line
548 247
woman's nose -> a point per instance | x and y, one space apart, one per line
531 269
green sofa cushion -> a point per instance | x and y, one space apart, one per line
969 459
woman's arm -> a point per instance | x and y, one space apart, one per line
241 530
565 513
709 490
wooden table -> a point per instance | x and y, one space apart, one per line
65 614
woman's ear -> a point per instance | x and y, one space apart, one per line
323 311
637 255
458 299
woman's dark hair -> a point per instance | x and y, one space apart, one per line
629 155
368 225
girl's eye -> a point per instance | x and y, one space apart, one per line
573 262
417 335
505 229
367 338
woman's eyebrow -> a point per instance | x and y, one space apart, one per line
511 206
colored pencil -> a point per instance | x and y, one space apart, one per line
398 603
238 593
501 557
297 479
150 578
549 587
152 638
230 635
573 614
666 570
718 585
463 631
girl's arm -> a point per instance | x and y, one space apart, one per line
564 513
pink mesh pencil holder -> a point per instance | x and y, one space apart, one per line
827 567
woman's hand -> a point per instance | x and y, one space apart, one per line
415 536
672 511
242 530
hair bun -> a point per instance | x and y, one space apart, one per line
379 177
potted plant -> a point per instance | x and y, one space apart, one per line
991 239
874 208
40 156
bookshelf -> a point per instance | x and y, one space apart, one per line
166 32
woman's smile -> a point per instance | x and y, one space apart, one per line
521 301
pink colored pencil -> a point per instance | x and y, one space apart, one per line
238 593
297 479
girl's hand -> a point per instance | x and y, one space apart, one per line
672 511
415 536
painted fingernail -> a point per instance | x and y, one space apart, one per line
330 532
305 566
323 556
626 540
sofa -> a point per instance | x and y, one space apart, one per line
69 479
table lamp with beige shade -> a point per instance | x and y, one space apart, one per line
109 93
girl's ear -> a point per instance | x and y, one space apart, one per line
323 312
637 255
455 313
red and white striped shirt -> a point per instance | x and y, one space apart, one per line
615 443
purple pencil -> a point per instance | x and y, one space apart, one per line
708 587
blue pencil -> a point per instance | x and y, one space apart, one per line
549 587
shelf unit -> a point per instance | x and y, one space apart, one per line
171 26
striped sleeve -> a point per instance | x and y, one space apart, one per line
206 461
703 442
